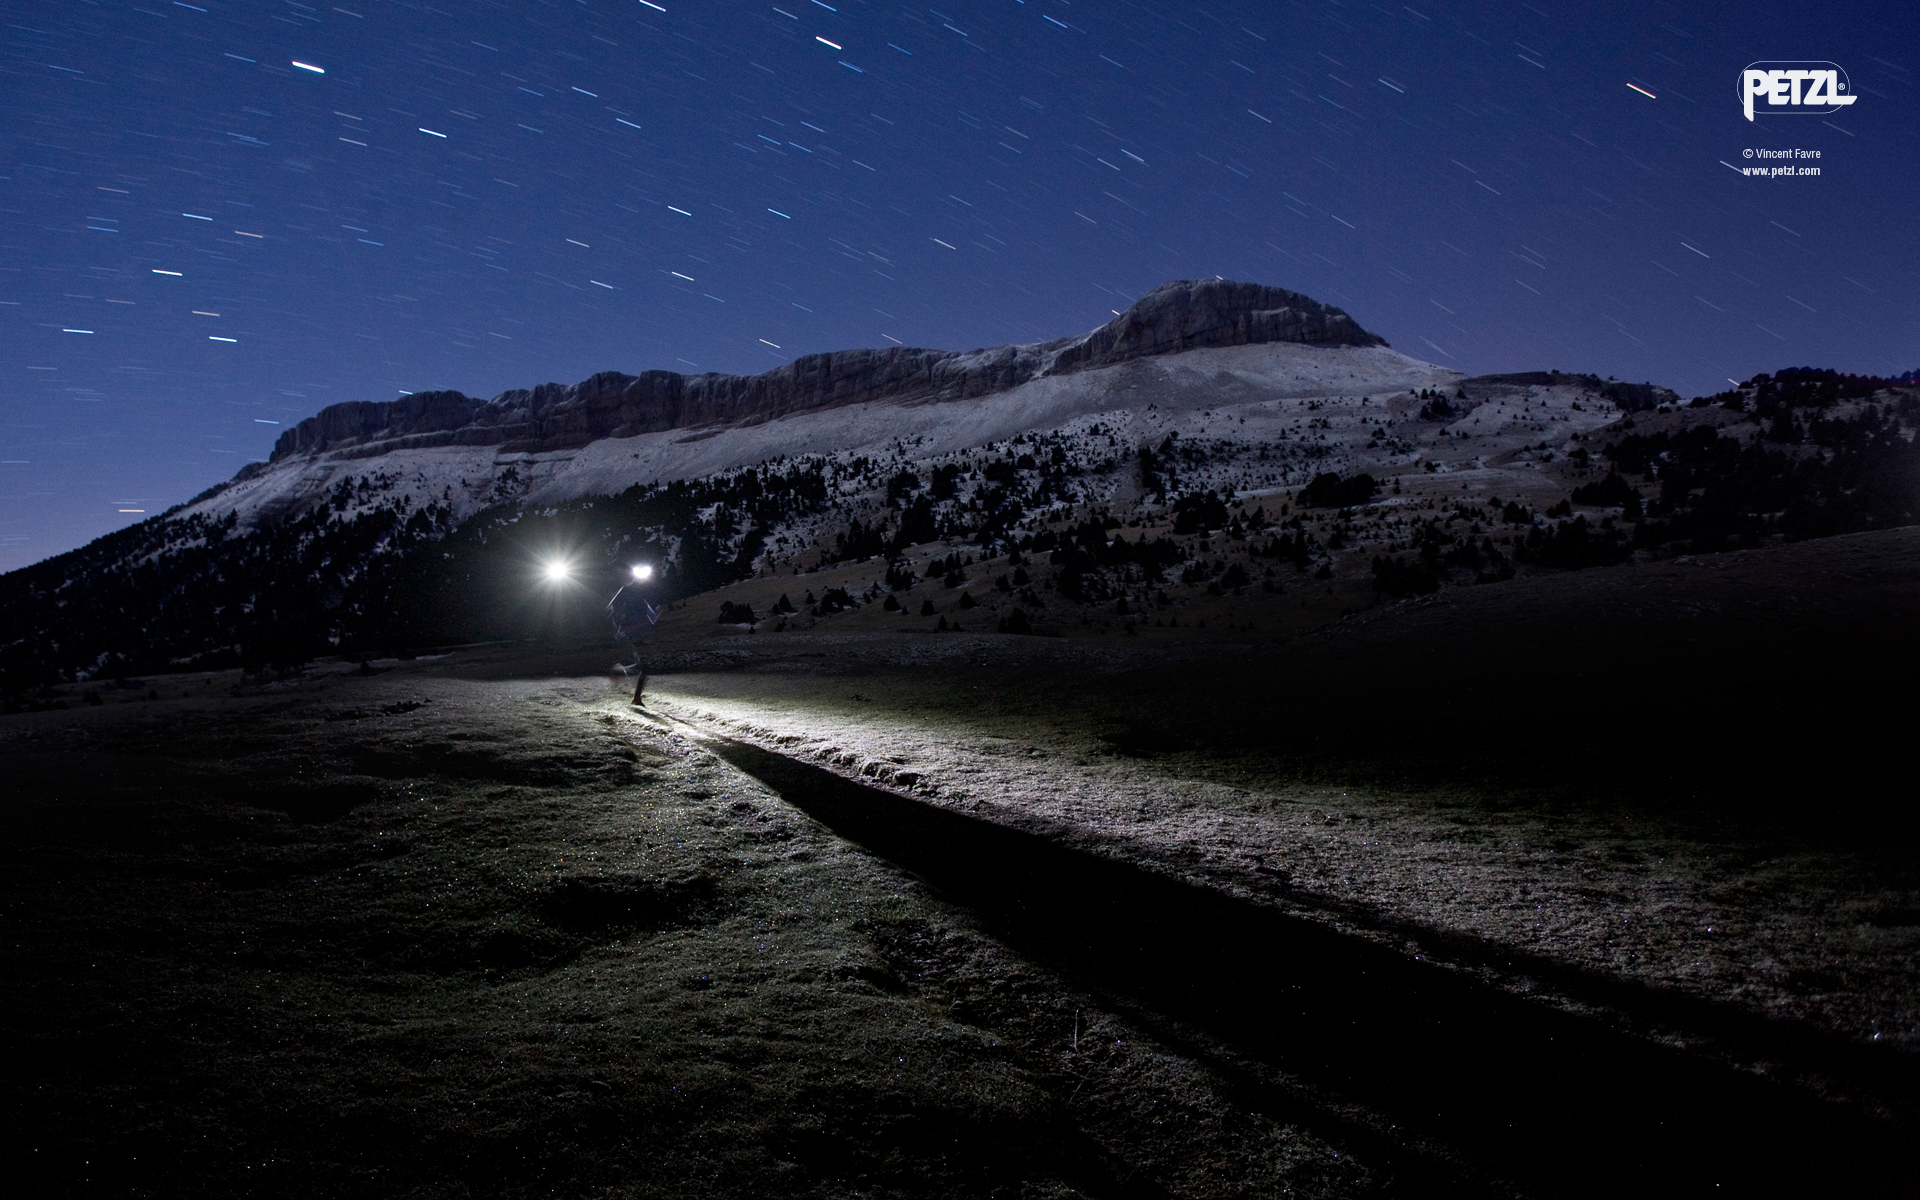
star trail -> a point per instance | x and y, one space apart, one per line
219 218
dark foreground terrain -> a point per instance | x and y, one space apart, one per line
1595 884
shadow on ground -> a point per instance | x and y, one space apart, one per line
1476 1082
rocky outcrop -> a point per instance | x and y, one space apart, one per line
1208 313
1629 397
1188 315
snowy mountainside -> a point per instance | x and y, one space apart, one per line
327 544
406 549
465 479
387 526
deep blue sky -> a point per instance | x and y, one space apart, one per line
716 187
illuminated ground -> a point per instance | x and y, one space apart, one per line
1618 901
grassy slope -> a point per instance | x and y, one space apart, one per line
475 926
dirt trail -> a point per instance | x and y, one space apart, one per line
1711 922
1450 1071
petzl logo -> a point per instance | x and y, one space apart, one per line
1796 87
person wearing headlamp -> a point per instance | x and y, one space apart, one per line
634 615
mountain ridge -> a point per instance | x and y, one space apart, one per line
1174 317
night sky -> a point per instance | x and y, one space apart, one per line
204 238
